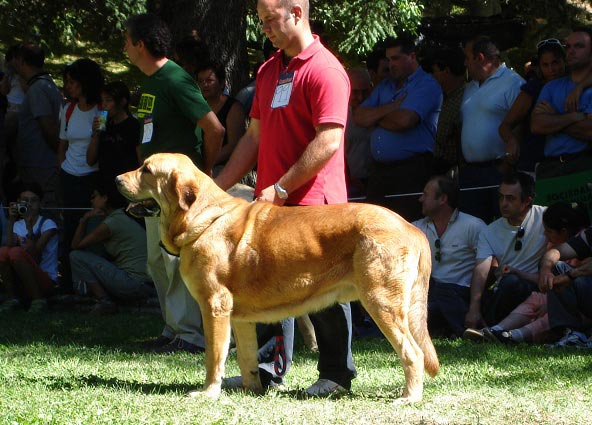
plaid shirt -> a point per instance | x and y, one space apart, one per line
449 127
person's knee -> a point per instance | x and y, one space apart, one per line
16 253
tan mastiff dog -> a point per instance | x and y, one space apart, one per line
248 262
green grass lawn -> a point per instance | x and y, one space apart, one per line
72 368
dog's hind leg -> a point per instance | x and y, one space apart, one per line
245 336
217 332
392 319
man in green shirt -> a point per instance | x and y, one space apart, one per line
170 108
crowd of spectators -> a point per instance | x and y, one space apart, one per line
456 156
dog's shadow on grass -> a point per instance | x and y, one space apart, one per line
92 380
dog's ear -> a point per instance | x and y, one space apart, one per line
186 192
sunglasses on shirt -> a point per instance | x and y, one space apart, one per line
519 236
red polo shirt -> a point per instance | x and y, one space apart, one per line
319 95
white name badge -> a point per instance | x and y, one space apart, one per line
283 90
148 130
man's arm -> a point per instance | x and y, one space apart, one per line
400 120
581 130
213 134
473 319
242 159
546 121
316 155
369 116
546 277
50 131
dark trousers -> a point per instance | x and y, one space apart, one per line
448 305
408 176
498 302
482 203
568 307
557 168
333 329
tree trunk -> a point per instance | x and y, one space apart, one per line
221 23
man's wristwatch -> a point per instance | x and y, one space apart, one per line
280 191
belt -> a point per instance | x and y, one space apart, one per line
485 164
413 157
566 157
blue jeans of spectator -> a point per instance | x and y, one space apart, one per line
448 305
499 301
333 329
88 267
566 306
482 203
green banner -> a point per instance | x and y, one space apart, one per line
573 188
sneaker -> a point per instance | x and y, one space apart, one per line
179 344
236 382
232 383
102 308
155 343
475 335
10 305
324 388
572 339
498 337
39 306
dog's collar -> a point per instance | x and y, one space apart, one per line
166 250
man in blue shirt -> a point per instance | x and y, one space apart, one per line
567 149
403 110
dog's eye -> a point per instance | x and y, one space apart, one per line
145 170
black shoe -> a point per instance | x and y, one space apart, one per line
179 344
156 343
498 336
475 335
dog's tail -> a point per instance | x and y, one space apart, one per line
418 312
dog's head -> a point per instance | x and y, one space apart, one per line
172 180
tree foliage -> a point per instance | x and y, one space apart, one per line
353 26
58 23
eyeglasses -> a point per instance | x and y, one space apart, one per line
519 236
549 41
438 255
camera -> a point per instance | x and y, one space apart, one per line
22 208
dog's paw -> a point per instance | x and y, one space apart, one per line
209 393
404 401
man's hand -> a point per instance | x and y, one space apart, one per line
269 195
544 107
572 99
546 280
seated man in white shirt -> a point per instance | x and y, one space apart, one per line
453 238
517 242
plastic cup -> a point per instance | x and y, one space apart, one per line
102 119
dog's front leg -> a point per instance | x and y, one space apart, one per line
217 332
245 336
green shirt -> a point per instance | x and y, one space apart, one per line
170 106
127 244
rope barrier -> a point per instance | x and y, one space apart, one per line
361 198
404 195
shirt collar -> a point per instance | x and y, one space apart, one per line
308 52
497 74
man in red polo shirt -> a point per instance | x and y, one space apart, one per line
296 137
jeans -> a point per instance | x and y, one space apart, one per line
88 267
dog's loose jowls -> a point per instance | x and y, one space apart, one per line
248 262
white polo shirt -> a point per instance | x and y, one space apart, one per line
499 240
458 247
